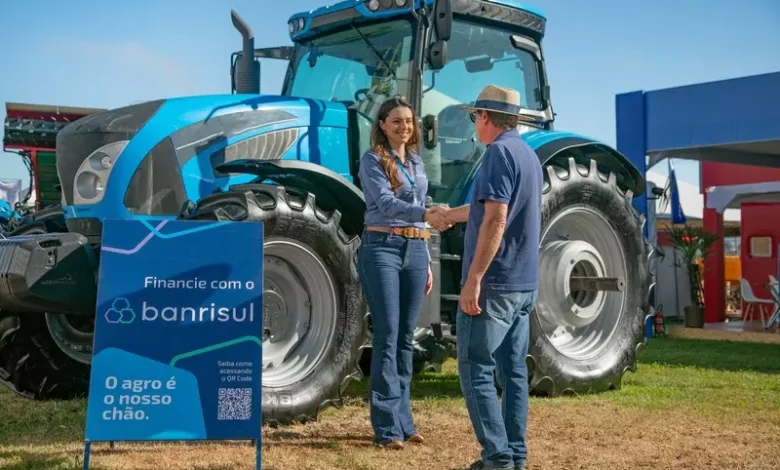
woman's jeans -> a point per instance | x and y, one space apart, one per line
393 271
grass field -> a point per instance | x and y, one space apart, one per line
693 404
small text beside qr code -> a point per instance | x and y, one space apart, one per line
234 404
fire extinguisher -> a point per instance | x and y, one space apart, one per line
658 321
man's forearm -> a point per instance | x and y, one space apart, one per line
458 214
488 242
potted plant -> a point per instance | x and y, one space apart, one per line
695 244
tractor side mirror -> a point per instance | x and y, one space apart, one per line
437 55
430 131
443 20
442 23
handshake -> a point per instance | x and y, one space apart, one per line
439 217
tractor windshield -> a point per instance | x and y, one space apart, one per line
362 65
477 56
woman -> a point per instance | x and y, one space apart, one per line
394 265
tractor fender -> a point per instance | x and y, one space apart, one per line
555 148
332 190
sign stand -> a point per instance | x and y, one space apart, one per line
258 453
176 356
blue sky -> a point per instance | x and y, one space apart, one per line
107 54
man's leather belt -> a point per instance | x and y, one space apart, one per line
406 232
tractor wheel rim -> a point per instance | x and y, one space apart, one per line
299 312
579 242
73 334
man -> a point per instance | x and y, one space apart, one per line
499 280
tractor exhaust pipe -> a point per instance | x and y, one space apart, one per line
247 71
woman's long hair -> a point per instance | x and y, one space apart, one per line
381 145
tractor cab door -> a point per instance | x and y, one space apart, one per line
477 56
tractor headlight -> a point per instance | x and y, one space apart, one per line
384 5
89 184
296 25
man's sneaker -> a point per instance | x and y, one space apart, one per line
480 465
392 445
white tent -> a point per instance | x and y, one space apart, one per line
721 198
11 190
691 199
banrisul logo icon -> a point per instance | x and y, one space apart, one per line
120 312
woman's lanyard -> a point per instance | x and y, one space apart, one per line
408 177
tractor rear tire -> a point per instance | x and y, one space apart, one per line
35 360
311 287
589 228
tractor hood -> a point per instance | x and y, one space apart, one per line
186 127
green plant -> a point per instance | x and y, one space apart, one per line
694 243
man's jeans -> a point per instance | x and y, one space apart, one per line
393 271
497 339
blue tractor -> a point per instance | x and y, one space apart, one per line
291 161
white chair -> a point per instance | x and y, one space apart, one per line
750 298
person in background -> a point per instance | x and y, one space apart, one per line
499 280
394 264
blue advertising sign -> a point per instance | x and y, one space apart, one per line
178 333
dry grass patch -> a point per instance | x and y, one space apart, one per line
770 336
692 405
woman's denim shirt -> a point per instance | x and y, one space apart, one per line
393 209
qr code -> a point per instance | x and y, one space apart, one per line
234 404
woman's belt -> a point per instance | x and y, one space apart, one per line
406 232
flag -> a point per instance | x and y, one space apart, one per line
678 216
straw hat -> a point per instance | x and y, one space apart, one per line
498 100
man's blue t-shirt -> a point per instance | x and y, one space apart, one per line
511 174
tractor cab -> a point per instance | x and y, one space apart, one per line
438 55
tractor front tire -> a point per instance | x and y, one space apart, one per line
314 314
32 365
583 342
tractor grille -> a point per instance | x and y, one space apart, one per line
271 146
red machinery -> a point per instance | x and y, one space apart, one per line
31 131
